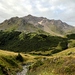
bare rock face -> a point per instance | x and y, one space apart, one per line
43 21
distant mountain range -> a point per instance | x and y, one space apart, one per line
33 24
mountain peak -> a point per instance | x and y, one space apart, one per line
29 15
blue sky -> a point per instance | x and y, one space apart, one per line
52 9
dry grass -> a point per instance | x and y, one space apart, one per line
54 66
7 58
33 58
2 52
28 56
60 54
65 52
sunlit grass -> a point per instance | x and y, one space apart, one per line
10 64
65 52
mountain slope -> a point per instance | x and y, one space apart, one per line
50 28
18 24
62 25
33 24
71 31
40 20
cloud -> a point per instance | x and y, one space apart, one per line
52 9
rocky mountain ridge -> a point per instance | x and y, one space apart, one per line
33 24
43 21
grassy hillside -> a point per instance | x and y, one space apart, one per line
53 66
22 42
58 64
61 63
56 59
55 29
71 31
9 64
67 52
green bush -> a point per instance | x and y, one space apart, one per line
55 51
71 36
19 57
37 64
29 67
68 70
3 70
69 53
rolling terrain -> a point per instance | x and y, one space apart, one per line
45 43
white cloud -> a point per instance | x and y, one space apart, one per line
52 9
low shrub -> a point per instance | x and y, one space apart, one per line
37 64
55 51
68 69
69 53
19 57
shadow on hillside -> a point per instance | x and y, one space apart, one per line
71 36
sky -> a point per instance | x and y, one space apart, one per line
51 9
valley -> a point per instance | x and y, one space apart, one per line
47 46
